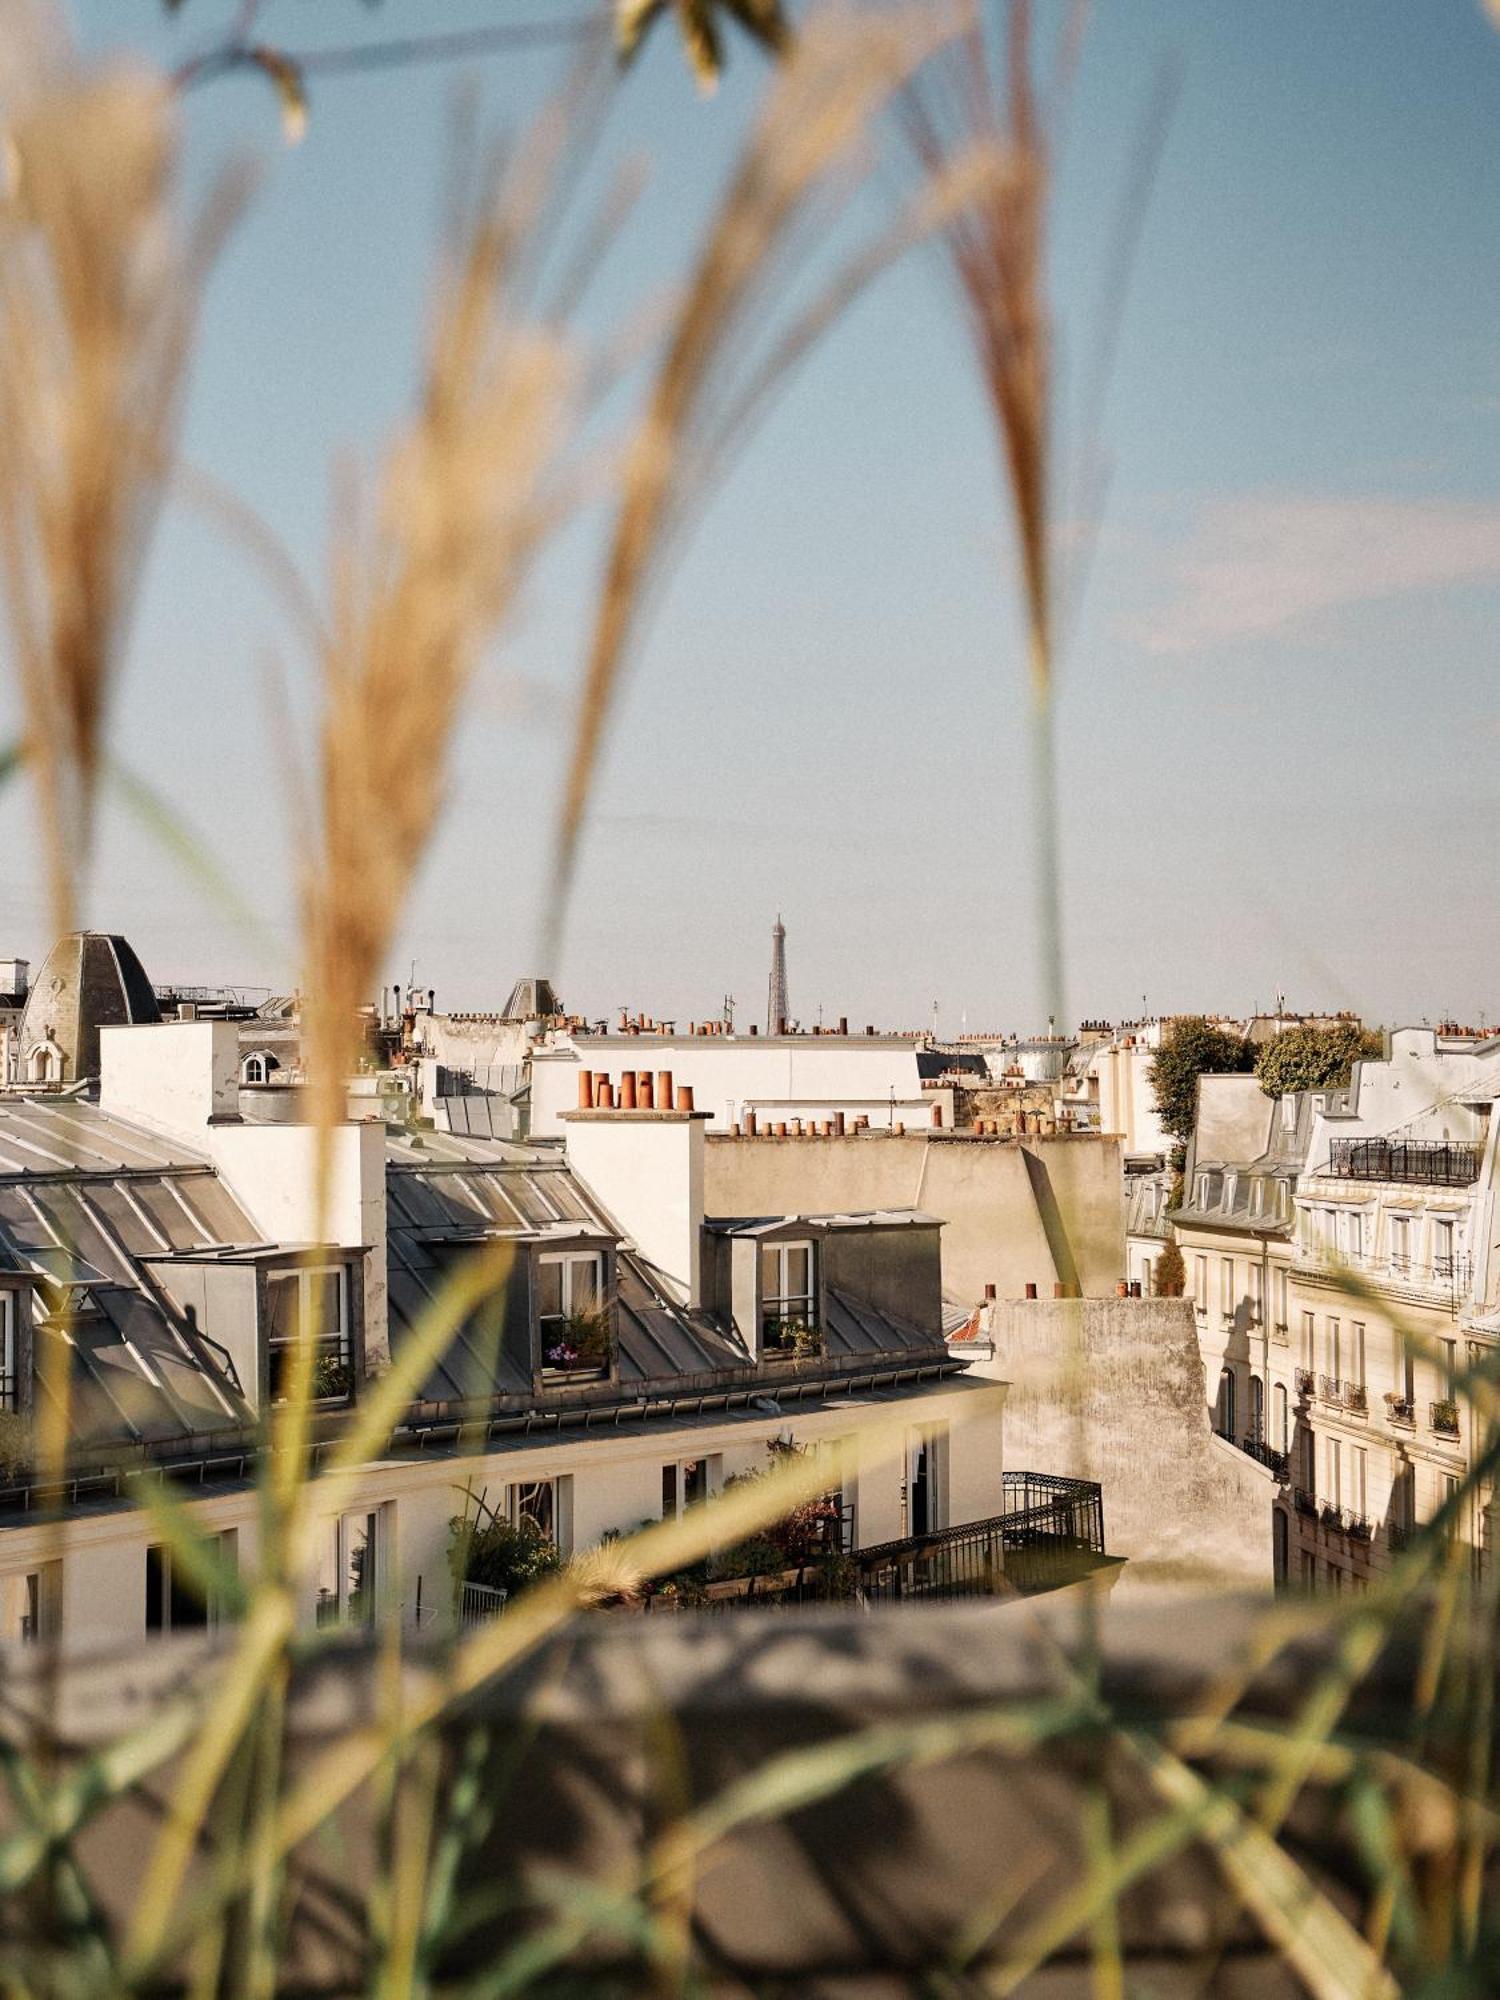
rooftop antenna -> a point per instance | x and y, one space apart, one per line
934 1020
729 1012
778 1007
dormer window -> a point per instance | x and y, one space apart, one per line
572 1318
312 1303
788 1292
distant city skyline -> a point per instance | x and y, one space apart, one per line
1278 697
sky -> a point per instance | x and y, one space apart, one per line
1279 719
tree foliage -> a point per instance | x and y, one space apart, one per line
1170 1275
1191 1048
1315 1058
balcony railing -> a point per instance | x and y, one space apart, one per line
1445 1418
1345 1395
1263 1454
1053 1531
1305 1381
1446 1274
478 1603
1401 1410
1414 1162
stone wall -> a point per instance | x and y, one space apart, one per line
1113 1390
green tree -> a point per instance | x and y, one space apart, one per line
1170 1274
1314 1058
1191 1048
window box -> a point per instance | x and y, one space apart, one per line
582 1347
1445 1418
789 1337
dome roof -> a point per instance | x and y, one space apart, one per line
530 1000
91 980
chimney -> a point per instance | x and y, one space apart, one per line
585 1090
1031 1291
648 1174
604 1097
937 1117
989 1295
838 1124
750 1124
843 1024
643 1097
179 1077
684 1097
627 1091
664 1097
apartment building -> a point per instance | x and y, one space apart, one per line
1338 1251
1394 1293
177 1250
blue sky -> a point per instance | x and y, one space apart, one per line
1279 715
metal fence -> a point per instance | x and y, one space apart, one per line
1054 1527
1418 1162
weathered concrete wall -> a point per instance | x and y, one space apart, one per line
1113 1390
1015 1212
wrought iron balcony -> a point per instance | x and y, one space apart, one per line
1414 1162
1445 1418
1305 1381
1256 1448
1345 1395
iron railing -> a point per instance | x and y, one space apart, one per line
1264 1454
1445 1418
1055 1527
1351 1396
1416 1162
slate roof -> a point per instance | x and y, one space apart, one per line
84 1201
89 1205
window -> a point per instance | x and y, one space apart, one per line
1224 1416
788 1291
310 1304
1357 1353
9 1322
350 1570
31 1603
1333 1488
926 1493
1307 1341
570 1300
547 1506
259 1068
1257 1409
1352 1234
1400 1243
1450 1501
175 1601
1226 1287
1279 1406
44 1065
1283 1317
1254 1274
1200 1283
1359 1490
688 1482
1449 1352
1288 1112
1333 1348
1309 1565
1442 1247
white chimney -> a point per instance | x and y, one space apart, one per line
177 1077
646 1167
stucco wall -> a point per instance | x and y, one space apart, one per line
1113 1390
1014 1213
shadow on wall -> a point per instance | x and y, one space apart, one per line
1114 1390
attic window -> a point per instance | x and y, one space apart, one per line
571 1324
788 1292
311 1304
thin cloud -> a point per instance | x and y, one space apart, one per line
1255 566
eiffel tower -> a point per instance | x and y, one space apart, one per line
778 1008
